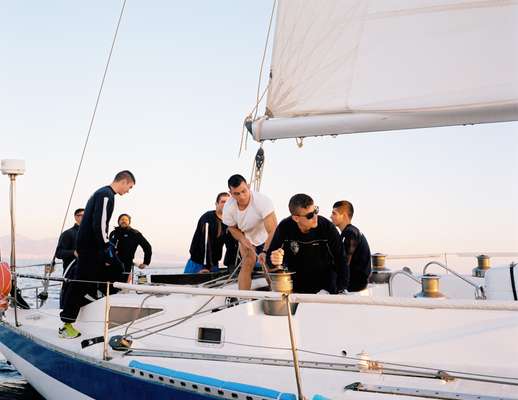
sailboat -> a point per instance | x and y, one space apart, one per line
338 67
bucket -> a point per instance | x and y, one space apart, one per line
280 282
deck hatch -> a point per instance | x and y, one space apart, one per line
121 315
209 335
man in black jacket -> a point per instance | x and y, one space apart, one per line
126 240
94 262
66 249
355 244
310 246
207 249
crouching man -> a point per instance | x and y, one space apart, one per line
310 246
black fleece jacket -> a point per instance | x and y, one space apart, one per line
93 231
126 241
317 257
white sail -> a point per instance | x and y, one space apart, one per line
345 66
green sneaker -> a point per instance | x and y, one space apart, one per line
68 332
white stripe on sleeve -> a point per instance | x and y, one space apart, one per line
104 226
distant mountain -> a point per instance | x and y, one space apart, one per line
26 248
42 250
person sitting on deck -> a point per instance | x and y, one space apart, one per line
310 246
356 246
206 250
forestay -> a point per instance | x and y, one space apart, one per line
346 66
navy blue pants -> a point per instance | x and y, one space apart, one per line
90 267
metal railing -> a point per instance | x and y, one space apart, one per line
401 272
479 290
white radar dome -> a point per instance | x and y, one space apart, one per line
12 167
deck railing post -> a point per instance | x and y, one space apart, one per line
106 321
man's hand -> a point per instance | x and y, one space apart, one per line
277 257
204 271
247 244
261 258
142 266
75 254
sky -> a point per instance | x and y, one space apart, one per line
183 77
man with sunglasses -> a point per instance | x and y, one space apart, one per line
251 220
310 246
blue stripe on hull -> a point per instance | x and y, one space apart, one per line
93 380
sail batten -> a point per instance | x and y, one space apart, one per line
416 63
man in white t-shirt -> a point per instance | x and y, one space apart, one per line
251 220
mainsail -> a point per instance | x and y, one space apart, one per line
347 66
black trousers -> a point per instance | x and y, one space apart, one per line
90 267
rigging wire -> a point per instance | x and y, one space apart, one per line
264 54
93 114
92 119
244 137
176 321
258 98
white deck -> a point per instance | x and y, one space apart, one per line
466 341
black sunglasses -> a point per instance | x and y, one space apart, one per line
311 214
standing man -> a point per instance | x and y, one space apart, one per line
310 246
251 219
93 250
207 249
66 249
126 240
356 246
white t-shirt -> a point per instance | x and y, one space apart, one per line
249 220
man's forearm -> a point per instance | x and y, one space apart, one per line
270 224
268 241
236 233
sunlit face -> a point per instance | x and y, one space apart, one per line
306 218
241 194
124 221
79 217
221 203
124 186
337 217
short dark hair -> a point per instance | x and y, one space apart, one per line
344 206
220 195
124 215
79 210
125 175
299 200
235 180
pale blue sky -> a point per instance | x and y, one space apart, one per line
183 77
